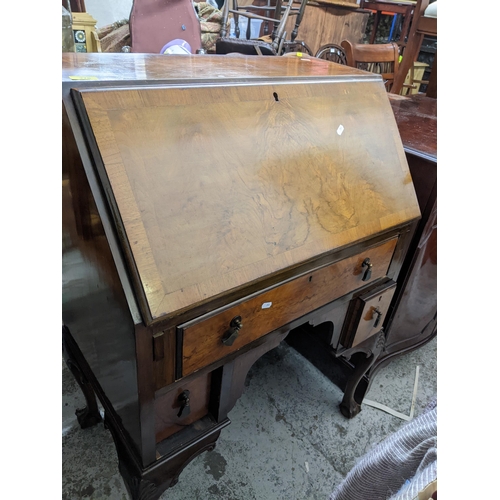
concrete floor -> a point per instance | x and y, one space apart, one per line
287 438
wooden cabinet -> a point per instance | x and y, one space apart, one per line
210 206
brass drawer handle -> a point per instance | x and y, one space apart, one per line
185 409
232 334
378 314
368 272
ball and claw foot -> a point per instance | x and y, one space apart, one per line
351 409
86 418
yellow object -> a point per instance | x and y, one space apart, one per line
299 54
414 77
85 33
83 78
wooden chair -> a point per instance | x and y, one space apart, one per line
267 9
421 26
273 44
299 14
333 53
379 8
381 58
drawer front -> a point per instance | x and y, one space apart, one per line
261 314
171 417
367 314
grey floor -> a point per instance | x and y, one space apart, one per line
287 438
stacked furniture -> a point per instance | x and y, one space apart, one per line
424 24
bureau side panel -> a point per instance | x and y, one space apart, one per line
414 315
94 305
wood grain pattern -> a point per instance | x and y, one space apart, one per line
201 176
219 186
416 116
382 58
202 342
324 24
164 358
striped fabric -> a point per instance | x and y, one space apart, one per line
399 467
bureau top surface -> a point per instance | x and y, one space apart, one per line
130 67
224 184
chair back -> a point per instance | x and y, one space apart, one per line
299 46
422 26
381 58
333 53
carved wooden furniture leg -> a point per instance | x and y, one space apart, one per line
149 483
349 406
89 415
298 20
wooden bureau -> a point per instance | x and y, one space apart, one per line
211 205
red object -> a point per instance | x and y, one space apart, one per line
154 23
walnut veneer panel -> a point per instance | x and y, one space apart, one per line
202 341
219 186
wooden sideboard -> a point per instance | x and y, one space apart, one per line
211 205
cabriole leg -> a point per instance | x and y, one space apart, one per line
349 407
89 415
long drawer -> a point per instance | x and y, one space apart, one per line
213 336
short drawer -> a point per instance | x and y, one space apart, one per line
366 314
171 412
201 340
